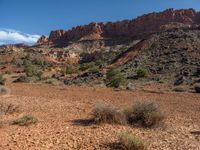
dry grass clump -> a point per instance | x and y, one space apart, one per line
130 142
8 108
2 80
3 90
104 113
25 120
147 114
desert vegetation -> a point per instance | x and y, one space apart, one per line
142 72
115 78
32 71
2 80
25 120
147 114
105 113
3 90
8 108
131 142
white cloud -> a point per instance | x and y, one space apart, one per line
9 36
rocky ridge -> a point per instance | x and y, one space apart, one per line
148 23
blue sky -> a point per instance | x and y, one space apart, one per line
36 17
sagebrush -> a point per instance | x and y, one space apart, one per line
146 113
131 142
105 113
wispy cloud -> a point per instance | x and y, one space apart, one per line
9 36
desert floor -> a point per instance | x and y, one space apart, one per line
63 112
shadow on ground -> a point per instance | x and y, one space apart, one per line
114 146
83 122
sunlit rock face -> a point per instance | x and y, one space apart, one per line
147 23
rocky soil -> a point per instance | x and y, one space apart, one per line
63 114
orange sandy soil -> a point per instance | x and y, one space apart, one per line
61 109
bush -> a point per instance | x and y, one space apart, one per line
92 66
115 78
94 69
104 113
2 80
69 70
42 63
25 121
3 90
142 72
146 113
100 63
197 88
86 66
52 81
8 108
32 71
130 142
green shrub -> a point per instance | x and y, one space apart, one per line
86 66
115 78
99 63
130 142
69 70
32 71
146 113
94 69
25 121
142 72
104 113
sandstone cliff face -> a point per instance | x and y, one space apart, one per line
144 24
43 40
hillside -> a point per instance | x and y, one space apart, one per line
167 50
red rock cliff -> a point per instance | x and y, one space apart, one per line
147 23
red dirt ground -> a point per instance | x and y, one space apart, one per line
60 109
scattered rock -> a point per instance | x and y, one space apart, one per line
179 89
22 79
197 88
179 80
130 86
